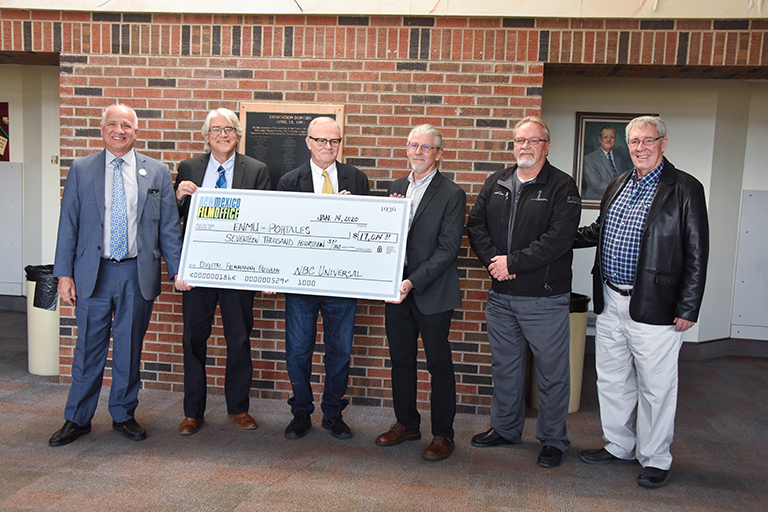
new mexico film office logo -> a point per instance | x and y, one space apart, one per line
223 208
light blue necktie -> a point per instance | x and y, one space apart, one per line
222 181
118 242
610 161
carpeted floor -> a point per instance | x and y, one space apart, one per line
720 455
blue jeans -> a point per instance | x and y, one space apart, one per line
300 334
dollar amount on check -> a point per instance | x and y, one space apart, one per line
316 244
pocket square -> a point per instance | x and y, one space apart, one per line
152 191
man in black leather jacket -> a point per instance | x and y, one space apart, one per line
652 240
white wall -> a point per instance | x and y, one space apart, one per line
717 133
33 96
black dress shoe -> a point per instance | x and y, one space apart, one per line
490 438
299 425
338 428
603 456
130 429
550 457
68 433
653 477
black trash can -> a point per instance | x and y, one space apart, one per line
42 320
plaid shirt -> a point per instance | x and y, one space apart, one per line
623 227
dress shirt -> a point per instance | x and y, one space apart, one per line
131 187
624 224
416 192
212 171
317 177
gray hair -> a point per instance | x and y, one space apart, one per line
531 119
321 119
231 117
428 129
643 121
122 105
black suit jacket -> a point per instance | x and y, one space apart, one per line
350 178
433 244
249 173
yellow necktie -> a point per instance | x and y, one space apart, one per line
327 185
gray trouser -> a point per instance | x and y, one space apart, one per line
514 324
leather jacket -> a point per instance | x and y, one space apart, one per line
672 266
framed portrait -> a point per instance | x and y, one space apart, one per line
600 152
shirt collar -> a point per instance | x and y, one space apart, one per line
651 178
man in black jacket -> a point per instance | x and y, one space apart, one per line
522 228
652 240
322 174
429 292
221 166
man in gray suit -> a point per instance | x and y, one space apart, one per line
220 167
429 293
118 217
601 166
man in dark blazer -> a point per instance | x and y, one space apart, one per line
602 165
322 174
118 217
220 167
429 293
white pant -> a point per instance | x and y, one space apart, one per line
636 383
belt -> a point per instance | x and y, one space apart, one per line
620 291
113 260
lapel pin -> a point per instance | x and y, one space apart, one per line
143 172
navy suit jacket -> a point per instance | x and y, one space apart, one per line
81 225
248 173
433 244
350 178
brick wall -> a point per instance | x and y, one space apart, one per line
471 77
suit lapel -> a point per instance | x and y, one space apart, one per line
428 195
305 179
343 178
99 183
239 171
198 170
142 179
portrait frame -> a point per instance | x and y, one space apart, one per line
593 180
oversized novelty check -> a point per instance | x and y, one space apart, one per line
316 244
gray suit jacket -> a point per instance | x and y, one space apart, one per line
598 173
81 225
433 244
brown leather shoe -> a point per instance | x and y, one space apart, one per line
396 435
243 419
440 448
190 426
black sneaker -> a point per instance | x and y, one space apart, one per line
299 425
338 428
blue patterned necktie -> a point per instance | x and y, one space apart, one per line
222 181
610 161
118 242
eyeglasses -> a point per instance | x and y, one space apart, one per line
216 130
426 148
647 141
322 142
533 142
